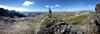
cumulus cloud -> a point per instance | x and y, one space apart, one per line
47 6
27 3
15 8
55 6
52 6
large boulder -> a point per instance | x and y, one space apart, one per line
50 26
97 19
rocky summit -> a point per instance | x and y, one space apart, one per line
53 23
51 26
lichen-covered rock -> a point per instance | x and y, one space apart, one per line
50 26
97 20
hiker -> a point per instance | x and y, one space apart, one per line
50 12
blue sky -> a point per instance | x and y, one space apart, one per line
43 5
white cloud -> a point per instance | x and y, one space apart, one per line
55 6
27 3
15 8
47 6
52 7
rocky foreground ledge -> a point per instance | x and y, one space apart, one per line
51 26
29 25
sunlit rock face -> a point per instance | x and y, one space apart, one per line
50 26
97 20
97 9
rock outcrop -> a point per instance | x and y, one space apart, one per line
10 13
51 26
97 18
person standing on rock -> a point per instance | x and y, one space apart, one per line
50 12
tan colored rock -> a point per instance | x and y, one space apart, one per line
97 21
97 9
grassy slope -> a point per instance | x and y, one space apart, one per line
27 25
79 20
